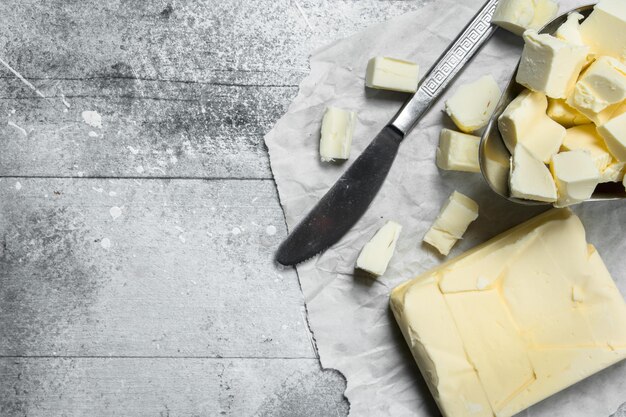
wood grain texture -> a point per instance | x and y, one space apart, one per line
157 387
188 272
192 87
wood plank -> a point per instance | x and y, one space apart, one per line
143 268
190 87
168 387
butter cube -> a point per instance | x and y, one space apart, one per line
605 29
613 173
336 138
586 138
472 105
530 178
525 121
564 114
458 151
576 177
603 84
376 254
518 15
550 65
385 73
570 30
514 320
452 222
614 134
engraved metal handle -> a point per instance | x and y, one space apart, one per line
446 68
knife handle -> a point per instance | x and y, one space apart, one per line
446 68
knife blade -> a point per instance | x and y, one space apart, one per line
349 198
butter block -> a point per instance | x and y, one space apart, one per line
586 138
458 151
603 84
570 30
376 254
386 73
605 29
525 121
472 105
576 177
564 114
614 134
518 15
513 321
336 136
550 65
530 178
614 172
452 222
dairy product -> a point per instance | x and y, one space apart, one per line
458 151
518 15
602 85
530 178
614 134
570 30
376 254
525 121
564 114
586 138
514 320
550 65
336 134
386 73
576 176
452 222
605 29
471 106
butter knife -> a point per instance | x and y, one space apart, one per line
344 204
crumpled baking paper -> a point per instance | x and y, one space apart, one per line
349 314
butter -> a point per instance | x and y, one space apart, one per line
576 176
613 173
570 30
336 136
530 179
452 222
614 134
458 151
514 320
586 138
518 15
564 114
605 29
386 73
603 84
550 65
376 254
471 106
525 121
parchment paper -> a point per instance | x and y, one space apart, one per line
349 315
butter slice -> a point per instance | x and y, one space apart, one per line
614 134
472 104
550 65
586 138
564 114
613 173
386 73
518 15
538 327
576 176
605 29
458 151
530 178
376 254
570 30
525 121
337 129
603 84
452 222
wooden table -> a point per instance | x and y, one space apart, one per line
136 273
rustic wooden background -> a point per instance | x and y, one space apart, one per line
136 273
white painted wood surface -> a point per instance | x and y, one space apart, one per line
174 307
